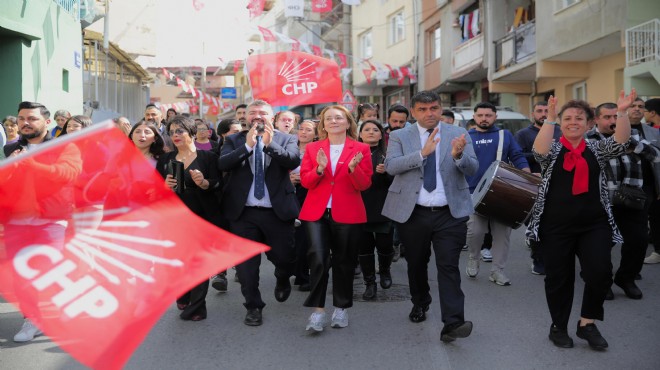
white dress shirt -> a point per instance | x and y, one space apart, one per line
436 198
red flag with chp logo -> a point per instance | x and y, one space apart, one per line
130 249
294 78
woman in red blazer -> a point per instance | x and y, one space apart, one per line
335 170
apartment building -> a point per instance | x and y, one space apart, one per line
384 40
41 45
453 58
572 49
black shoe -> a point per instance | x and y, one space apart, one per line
461 329
305 287
282 289
630 288
560 337
253 317
370 291
418 313
385 279
591 334
610 295
219 283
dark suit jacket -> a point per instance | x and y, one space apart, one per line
374 197
281 156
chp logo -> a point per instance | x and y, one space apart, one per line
300 78
97 251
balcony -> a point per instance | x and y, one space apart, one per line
468 56
643 43
333 17
70 6
516 47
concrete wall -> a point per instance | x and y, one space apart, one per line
577 25
38 43
603 78
374 14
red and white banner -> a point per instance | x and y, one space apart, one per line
321 6
294 78
256 7
130 249
267 34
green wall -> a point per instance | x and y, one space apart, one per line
38 41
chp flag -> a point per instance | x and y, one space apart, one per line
294 78
131 247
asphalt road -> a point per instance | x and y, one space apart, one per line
510 331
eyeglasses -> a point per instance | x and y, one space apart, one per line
178 131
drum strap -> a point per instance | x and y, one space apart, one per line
500 145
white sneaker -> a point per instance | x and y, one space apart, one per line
472 268
317 321
486 256
652 258
499 278
339 318
28 332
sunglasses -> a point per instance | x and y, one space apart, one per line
178 131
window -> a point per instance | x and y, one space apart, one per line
563 4
580 91
365 45
65 80
433 38
397 28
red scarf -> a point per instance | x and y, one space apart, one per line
574 159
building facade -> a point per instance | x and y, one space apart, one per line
41 47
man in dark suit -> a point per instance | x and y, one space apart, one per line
430 200
259 201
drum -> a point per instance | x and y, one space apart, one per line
506 194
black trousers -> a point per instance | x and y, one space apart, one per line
654 224
635 231
195 298
301 270
381 241
331 244
591 242
263 226
446 234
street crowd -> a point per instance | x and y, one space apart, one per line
341 197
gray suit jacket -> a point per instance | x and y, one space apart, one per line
405 163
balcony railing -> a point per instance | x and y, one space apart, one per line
334 16
643 43
469 54
516 47
71 6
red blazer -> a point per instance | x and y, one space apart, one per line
345 187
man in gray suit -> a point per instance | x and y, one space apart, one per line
430 200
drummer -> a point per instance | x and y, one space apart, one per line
490 144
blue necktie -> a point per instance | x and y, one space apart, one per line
429 170
259 191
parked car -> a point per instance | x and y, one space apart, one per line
506 118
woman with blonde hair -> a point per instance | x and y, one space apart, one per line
335 170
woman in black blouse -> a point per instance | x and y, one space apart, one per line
201 179
377 231
572 216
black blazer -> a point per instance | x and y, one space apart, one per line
374 197
200 201
282 156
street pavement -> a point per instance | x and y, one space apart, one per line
510 330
